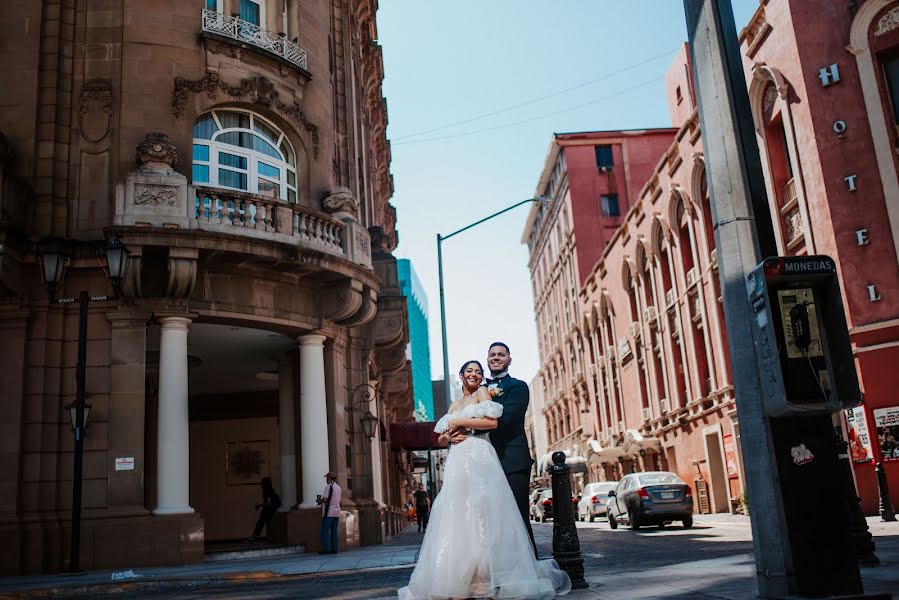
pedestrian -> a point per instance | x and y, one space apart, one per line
422 507
270 503
330 503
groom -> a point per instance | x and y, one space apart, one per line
509 439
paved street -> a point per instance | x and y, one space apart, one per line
711 560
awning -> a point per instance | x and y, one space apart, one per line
600 454
577 463
413 435
634 441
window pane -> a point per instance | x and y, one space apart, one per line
230 118
205 127
268 189
232 160
604 156
200 174
891 68
287 151
260 145
269 171
201 152
291 196
212 4
610 205
249 11
232 179
265 130
242 139
292 178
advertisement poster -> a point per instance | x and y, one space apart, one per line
859 440
730 456
886 420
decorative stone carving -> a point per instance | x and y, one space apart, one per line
182 271
769 98
95 112
343 300
257 89
341 203
156 154
888 22
380 241
155 196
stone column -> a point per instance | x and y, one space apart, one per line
287 433
173 447
314 418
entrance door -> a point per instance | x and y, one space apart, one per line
715 460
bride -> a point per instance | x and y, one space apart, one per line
476 544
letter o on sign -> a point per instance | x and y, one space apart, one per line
839 127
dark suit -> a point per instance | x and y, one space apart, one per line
511 444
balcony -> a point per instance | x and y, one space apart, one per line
246 33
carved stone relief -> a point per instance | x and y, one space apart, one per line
257 89
95 112
155 196
888 22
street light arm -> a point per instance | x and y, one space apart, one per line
496 214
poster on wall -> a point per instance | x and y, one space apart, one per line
730 456
886 420
859 440
246 463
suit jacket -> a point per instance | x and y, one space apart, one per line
509 439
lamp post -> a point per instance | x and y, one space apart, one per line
440 239
362 395
53 261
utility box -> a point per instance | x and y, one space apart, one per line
803 344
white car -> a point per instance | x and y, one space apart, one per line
594 499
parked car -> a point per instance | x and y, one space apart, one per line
650 498
542 507
594 500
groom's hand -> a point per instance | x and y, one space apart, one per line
456 435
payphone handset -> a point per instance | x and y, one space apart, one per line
803 344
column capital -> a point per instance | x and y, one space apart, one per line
312 339
169 321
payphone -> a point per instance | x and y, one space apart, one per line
803 345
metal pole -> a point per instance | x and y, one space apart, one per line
735 188
447 388
75 544
566 545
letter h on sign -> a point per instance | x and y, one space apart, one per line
829 75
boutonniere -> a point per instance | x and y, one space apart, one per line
494 390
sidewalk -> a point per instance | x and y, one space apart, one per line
728 577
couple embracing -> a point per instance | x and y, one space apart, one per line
477 544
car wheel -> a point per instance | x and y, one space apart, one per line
592 517
663 524
612 522
688 522
633 522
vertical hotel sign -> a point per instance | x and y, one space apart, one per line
859 438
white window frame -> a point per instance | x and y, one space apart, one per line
253 157
261 5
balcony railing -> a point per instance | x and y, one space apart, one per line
226 211
248 33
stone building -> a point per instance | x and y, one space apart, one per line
237 148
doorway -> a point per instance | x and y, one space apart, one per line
714 449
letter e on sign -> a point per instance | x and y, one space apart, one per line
862 237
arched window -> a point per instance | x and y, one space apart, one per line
240 150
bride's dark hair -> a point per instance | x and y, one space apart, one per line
465 366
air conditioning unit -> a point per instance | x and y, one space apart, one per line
665 405
646 414
635 329
650 313
670 297
692 277
675 327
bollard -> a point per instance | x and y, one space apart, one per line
887 513
566 545
858 527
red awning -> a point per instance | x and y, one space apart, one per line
413 435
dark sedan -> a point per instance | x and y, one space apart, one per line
651 498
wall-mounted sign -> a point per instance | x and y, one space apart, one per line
873 294
124 464
829 75
862 237
886 420
850 181
839 128
859 440
730 456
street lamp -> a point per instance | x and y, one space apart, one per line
369 424
53 261
440 239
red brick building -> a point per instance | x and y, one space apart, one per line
649 368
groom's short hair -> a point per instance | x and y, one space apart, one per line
494 344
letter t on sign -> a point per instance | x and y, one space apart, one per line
829 75
851 182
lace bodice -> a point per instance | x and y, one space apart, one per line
477 410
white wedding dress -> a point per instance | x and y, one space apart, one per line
476 545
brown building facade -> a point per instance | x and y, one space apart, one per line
238 149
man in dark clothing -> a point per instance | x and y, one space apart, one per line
270 503
422 507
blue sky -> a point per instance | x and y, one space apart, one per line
448 62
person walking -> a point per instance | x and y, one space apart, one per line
330 503
270 503
422 507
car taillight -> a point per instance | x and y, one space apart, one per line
689 494
643 493
548 502
593 500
